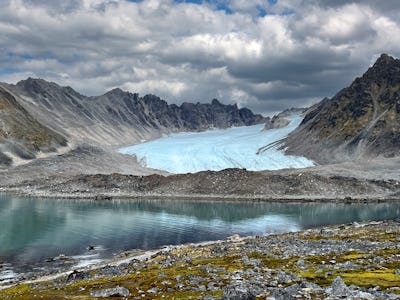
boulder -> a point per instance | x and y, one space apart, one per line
118 291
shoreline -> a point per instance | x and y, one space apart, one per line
205 198
280 252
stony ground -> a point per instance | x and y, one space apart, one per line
225 184
355 261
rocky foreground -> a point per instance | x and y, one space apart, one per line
355 261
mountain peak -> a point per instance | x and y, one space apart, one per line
37 85
30 81
361 120
116 92
384 59
385 63
385 69
215 102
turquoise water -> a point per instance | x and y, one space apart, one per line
32 230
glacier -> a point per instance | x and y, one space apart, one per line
219 149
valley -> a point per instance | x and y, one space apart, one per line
199 149
71 156
197 137
216 150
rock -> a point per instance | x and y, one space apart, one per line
77 275
212 286
234 292
283 277
153 290
364 295
102 197
338 287
293 289
113 292
284 294
202 288
310 285
234 237
251 261
275 123
300 263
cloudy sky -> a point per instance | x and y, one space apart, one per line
264 54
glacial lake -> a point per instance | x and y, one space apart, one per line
34 230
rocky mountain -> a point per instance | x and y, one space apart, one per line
117 117
280 120
362 120
22 135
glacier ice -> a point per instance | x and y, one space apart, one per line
219 149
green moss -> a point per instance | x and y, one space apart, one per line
364 278
229 263
17 289
256 255
317 276
352 256
143 280
387 252
383 278
182 295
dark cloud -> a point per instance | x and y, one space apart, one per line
379 5
55 6
293 54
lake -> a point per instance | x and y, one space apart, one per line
34 230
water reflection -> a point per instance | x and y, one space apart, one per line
34 229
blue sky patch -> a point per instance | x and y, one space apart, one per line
7 71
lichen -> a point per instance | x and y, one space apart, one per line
367 278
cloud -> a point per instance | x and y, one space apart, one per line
267 55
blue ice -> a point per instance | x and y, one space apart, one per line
219 149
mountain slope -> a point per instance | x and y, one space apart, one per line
119 117
362 120
22 135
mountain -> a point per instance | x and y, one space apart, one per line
280 120
117 117
22 135
362 120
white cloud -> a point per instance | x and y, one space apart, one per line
299 52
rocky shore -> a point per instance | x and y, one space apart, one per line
353 261
228 184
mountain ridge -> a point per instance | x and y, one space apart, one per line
21 134
360 121
118 117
